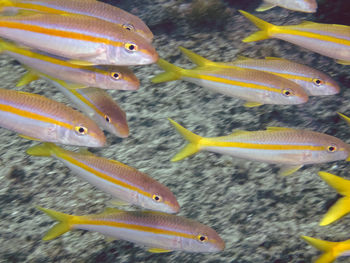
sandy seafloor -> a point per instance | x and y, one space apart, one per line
258 213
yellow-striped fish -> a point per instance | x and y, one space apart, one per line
342 206
119 180
315 83
331 250
83 39
98 105
92 8
256 87
104 77
158 232
290 147
307 6
43 119
326 39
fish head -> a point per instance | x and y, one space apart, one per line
289 94
319 85
201 238
82 132
158 197
114 120
117 78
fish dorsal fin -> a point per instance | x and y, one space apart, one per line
251 104
273 129
158 250
239 132
275 58
264 6
239 57
111 210
307 23
289 169
27 78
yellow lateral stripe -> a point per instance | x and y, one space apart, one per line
34 116
208 142
58 33
86 221
39 8
103 176
289 76
236 83
312 35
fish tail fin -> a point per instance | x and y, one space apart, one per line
195 58
342 206
63 226
44 149
327 247
193 145
171 73
5 3
265 28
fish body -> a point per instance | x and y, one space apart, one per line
82 39
40 118
342 206
313 81
331 250
307 6
117 179
98 105
91 8
330 40
290 147
106 77
159 232
254 86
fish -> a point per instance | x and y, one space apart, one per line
83 40
122 182
331 250
289 147
91 8
104 77
330 40
256 87
158 232
342 206
38 118
314 82
98 105
307 6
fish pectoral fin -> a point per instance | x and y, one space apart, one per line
158 250
343 62
289 169
251 104
27 78
264 6
28 137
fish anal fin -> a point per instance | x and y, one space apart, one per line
265 6
158 250
289 169
251 104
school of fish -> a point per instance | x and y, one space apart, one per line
82 47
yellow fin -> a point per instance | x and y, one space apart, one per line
272 129
264 6
81 62
305 23
117 202
346 118
44 149
171 73
239 57
193 145
289 169
337 211
111 210
195 58
265 28
251 104
239 132
274 58
62 227
27 78
158 250
341 185
85 151
28 138
343 62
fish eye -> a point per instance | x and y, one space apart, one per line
129 27
318 82
131 47
81 130
116 75
331 148
287 92
202 238
157 198
107 119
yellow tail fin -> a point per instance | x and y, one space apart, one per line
193 145
171 73
44 149
196 59
326 246
342 206
265 28
62 227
